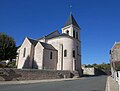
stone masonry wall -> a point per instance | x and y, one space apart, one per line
88 71
31 74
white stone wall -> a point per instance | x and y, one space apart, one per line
71 28
50 63
69 44
27 60
68 28
57 45
38 56
68 61
58 62
75 44
17 57
89 71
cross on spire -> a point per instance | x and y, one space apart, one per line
70 9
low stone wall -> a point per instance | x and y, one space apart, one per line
94 71
32 74
89 71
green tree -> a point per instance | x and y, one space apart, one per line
105 66
89 66
7 47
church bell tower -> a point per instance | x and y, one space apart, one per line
72 45
71 28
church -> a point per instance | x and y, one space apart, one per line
53 52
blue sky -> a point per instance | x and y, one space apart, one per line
99 21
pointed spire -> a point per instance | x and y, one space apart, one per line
70 21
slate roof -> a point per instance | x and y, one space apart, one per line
70 21
63 35
34 42
47 46
49 35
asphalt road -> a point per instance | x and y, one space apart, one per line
97 83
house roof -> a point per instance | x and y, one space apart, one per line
47 46
70 21
34 42
50 35
62 35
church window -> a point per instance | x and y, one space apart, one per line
50 55
67 32
24 52
74 53
75 65
74 33
77 50
65 53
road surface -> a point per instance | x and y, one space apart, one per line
96 83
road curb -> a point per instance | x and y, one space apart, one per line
35 81
107 84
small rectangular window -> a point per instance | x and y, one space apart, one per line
74 33
50 55
24 52
65 53
77 50
74 53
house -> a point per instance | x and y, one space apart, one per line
115 58
55 51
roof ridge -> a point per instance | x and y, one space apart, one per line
47 46
34 42
49 34
52 33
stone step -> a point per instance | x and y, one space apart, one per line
76 74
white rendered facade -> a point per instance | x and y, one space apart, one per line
55 51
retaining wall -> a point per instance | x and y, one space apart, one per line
32 74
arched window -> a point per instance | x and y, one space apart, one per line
67 32
24 52
50 55
65 53
74 33
74 53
